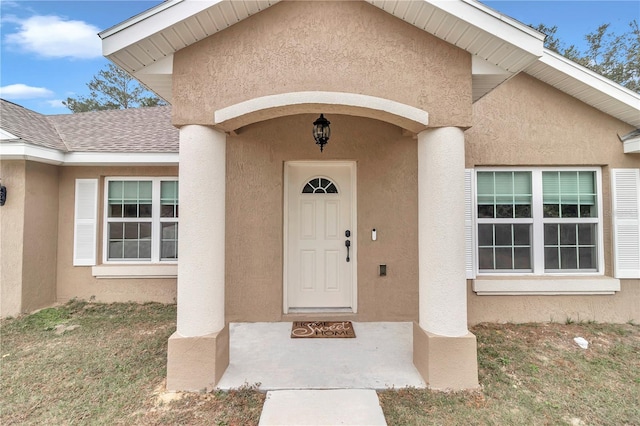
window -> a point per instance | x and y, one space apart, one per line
320 186
141 223
538 221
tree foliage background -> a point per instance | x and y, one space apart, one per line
614 56
113 88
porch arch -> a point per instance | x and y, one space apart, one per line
273 106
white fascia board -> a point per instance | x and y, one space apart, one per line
7 136
632 146
150 22
22 151
492 22
120 158
593 79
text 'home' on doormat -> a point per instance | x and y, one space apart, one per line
322 329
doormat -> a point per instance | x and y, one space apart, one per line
322 329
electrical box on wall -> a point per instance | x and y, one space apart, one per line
382 270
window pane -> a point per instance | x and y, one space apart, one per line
485 235
169 250
570 246
568 258
521 235
508 192
116 190
550 235
167 211
130 210
587 257
131 249
130 190
551 259
131 231
145 231
504 211
569 210
485 258
169 231
503 235
572 192
503 258
116 230
115 250
115 210
551 210
512 248
145 250
169 242
522 258
144 210
567 234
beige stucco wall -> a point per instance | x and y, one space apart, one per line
11 233
350 47
78 281
526 122
40 236
28 236
386 198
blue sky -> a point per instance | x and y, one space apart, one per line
50 49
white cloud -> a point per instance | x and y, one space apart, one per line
54 37
22 91
55 103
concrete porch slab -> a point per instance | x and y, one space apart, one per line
380 357
322 407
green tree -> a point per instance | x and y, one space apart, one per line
113 88
616 57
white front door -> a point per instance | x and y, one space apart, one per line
319 220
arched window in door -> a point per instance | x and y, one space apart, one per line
320 186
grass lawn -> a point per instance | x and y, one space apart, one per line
111 369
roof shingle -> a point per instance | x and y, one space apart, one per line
126 130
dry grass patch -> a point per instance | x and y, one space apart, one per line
95 364
535 374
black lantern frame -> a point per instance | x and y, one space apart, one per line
321 131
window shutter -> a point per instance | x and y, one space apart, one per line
85 222
626 222
468 224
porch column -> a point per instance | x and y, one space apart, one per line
198 352
444 351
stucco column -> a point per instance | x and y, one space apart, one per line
199 349
444 350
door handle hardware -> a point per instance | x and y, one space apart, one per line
347 244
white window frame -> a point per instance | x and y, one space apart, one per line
156 221
538 219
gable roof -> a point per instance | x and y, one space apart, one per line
20 124
127 136
500 46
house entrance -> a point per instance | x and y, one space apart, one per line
319 236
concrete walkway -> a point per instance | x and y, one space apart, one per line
305 376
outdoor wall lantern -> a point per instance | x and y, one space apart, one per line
321 131
3 194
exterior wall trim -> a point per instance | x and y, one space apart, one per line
24 151
135 271
273 106
550 286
